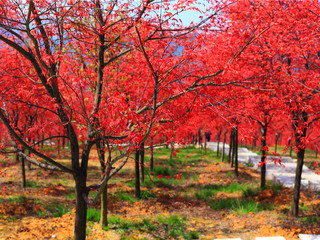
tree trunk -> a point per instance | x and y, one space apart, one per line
297 183
58 147
263 156
104 207
137 175
218 141
300 160
151 155
81 208
104 197
223 145
236 167
199 137
205 144
142 161
276 143
29 163
230 147
171 152
23 172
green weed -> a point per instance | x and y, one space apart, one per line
56 209
175 227
310 219
145 195
93 214
17 199
239 206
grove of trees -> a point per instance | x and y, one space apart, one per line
118 76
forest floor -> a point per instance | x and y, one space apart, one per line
207 202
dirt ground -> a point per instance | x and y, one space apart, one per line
23 212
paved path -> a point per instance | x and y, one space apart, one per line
279 174
302 237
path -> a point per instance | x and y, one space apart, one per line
279 174
302 237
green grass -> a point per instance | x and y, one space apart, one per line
208 191
310 219
230 174
239 206
175 227
70 196
33 184
93 214
187 155
56 209
124 225
125 196
148 194
17 199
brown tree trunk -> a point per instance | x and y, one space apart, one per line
104 197
81 208
23 172
263 156
236 167
199 137
151 155
218 141
171 152
205 143
104 207
230 148
142 161
58 147
223 145
300 161
137 175
276 143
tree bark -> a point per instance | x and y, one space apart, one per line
23 172
263 156
223 145
230 148
81 208
171 152
137 175
151 155
104 207
276 143
142 161
218 141
236 167
103 197
199 137
300 161
205 144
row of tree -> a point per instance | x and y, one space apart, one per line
116 75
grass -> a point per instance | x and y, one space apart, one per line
175 227
208 191
125 196
310 219
70 196
187 155
123 225
242 206
93 214
145 195
17 199
56 209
